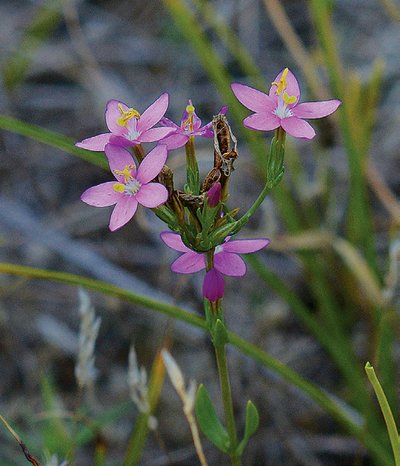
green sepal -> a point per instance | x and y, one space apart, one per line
252 422
219 333
275 168
208 421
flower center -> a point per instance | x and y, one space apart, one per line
127 115
130 188
284 99
130 184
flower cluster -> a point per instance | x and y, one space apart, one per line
200 221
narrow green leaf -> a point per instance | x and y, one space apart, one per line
52 139
208 420
252 422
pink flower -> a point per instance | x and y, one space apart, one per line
128 127
226 260
190 126
280 108
133 185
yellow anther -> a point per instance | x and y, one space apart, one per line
289 99
281 85
126 173
119 187
127 115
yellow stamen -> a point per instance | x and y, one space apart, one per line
289 99
281 85
127 115
119 187
126 173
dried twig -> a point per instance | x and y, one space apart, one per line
24 449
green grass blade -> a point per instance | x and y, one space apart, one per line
314 392
52 139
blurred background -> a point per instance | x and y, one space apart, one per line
61 62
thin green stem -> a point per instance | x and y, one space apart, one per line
192 175
386 411
226 392
225 385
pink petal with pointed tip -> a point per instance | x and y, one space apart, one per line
95 143
174 241
230 264
153 114
245 246
262 122
292 86
112 115
152 195
123 212
253 99
155 134
118 159
102 195
152 164
213 285
297 128
316 109
190 262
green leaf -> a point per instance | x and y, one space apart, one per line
252 421
208 420
52 139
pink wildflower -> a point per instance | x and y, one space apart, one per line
226 261
280 108
128 127
190 126
133 185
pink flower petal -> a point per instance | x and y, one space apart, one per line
190 262
292 85
169 123
316 109
153 114
95 143
174 141
118 159
245 246
112 114
213 285
123 212
152 164
174 241
152 195
155 134
102 195
230 264
253 99
297 128
262 122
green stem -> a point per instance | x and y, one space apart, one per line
386 411
193 176
223 373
